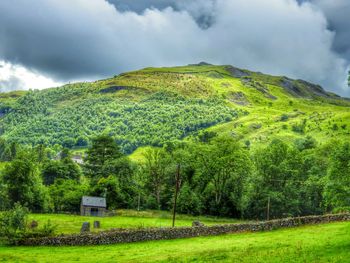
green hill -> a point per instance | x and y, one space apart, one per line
155 105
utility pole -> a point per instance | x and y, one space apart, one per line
268 209
177 187
138 201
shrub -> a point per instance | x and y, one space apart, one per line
13 224
47 230
284 117
335 127
344 209
305 143
299 128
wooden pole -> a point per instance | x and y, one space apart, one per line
268 209
177 187
138 202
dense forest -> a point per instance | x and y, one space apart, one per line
156 119
218 176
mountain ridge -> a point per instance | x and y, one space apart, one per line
151 106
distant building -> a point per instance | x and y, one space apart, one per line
93 206
77 159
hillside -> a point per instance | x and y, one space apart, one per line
155 105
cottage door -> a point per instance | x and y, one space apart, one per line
94 211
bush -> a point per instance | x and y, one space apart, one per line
339 210
13 224
299 128
335 127
305 143
284 117
47 230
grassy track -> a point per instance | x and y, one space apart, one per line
124 219
317 243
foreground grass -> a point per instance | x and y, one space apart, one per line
124 219
317 243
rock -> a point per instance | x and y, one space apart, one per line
203 63
237 73
85 227
197 224
97 224
255 126
239 98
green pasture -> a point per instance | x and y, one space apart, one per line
316 243
66 223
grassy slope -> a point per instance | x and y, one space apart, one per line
317 243
264 112
320 115
124 219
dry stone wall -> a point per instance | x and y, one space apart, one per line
116 236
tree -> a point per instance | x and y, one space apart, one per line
278 177
156 160
62 169
109 188
65 168
189 202
8 151
224 166
23 183
314 167
82 141
206 136
4 202
66 194
123 170
337 189
103 150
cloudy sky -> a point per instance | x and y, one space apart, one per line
45 43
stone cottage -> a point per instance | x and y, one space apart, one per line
93 206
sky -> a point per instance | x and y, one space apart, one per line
45 43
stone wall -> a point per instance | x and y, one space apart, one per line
115 236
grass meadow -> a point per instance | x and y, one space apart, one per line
315 243
66 223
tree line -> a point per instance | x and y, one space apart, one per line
217 176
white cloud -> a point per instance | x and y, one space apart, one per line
14 77
87 39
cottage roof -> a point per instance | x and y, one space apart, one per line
93 201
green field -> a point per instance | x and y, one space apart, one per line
124 219
317 243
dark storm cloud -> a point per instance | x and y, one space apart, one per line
141 5
201 11
79 39
338 16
